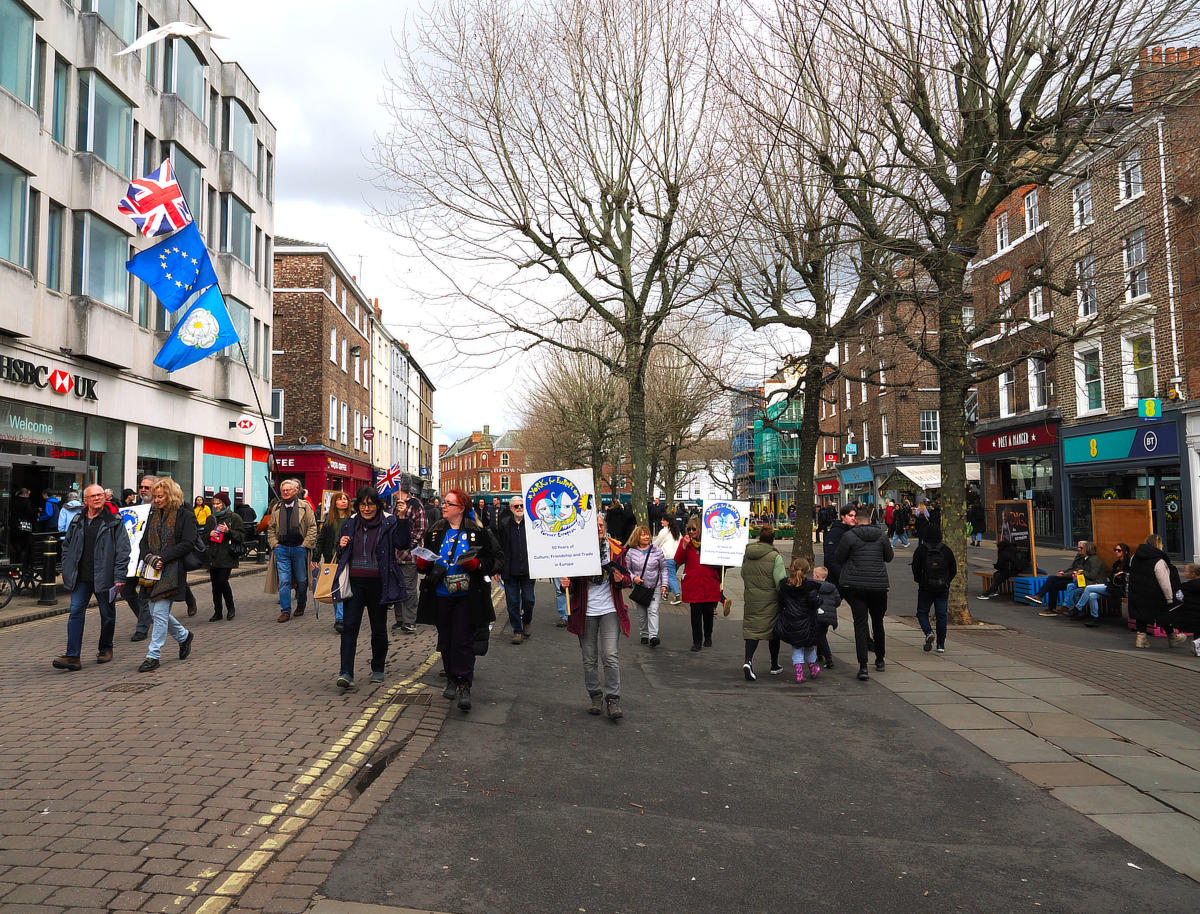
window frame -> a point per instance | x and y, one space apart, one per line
1033 213
86 108
245 251
29 66
82 252
1081 204
1084 351
278 395
333 418
1130 178
1130 380
1086 291
174 76
1003 237
931 431
20 217
1136 273
55 245
1006 382
1037 379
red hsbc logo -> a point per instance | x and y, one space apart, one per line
245 424
61 381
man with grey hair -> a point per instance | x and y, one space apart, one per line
292 535
514 570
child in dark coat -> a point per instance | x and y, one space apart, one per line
799 604
1190 611
826 614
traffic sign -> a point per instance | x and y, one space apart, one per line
368 434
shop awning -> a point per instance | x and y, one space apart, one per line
929 476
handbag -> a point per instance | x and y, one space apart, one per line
642 594
458 583
25 526
323 580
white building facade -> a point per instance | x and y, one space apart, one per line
80 398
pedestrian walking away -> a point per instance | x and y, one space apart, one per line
368 579
978 520
701 586
667 540
410 507
799 605
763 572
862 555
223 537
454 593
95 562
827 617
169 537
933 568
327 545
514 571
647 566
292 536
598 617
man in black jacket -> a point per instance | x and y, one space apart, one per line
933 569
849 515
514 571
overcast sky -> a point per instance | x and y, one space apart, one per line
320 70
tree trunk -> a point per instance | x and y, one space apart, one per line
810 437
637 444
671 475
954 381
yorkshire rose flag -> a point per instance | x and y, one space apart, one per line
205 329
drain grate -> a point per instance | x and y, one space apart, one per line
131 687
424 697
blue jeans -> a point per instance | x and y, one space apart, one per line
560 600
598 644
518 594
672 577
160 611
291 562
1091 596
338 609
939 602
902 535
804 654
80 597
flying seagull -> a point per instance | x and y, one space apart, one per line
170 30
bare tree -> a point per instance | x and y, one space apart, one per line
972 99
565 146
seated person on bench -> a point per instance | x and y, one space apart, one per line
1064 581
1087 605
1011 560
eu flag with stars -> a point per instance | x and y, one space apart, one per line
205 328
175 269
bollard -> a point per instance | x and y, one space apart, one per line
49 594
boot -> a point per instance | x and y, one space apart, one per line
229 612
597 705
799 672
190 601
216 616
813 670
1177 638
614 709
451 690
1142 640
464 697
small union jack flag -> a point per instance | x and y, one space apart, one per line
389 482
155 203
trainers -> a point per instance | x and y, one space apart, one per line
1196 648
813 670
408 628
799 667
829 663
645 639
1047 612
1034 598
654 642
376 675
185 646
597 705
397 626
748 671
150 663
614 708
863 675
929 639
517 638
66 663
983 596
776 670
138 636
561 623
940 649
1142 640
345 682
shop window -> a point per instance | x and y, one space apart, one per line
1137 275
14 214
105 123
1002 238
1033 216
1129 175
1137 357
187 76
99 268
277 394
1089 380
1081 203
1007 383
161 452
1085 286
931 432
1039 384
16 50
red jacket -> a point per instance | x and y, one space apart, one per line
577 604
701 583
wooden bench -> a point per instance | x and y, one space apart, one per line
985 582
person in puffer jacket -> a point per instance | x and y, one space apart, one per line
863 554
799 601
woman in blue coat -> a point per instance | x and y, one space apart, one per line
367 569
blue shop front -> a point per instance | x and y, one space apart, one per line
1128 458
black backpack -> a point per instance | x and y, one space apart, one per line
935 574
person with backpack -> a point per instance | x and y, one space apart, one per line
933 569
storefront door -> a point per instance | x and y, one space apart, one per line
1161 487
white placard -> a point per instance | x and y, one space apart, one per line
725 532
560 523
134 518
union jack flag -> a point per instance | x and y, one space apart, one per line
155 203
389 482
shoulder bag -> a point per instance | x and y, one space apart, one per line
642 594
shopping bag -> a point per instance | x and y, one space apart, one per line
323 578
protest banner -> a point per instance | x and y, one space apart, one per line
725 532
560 532
134 519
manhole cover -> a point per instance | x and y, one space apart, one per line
131 687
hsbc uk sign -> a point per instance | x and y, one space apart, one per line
18 371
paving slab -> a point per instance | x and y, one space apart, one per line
1189 757
1064 774
1107 799
1156 734
1102 709
906 682
1015 746
1185 802
987 689
1055 723
1093 745
1170 837
921 699
1150 773
1020 671
1052 688
966 717
1000 705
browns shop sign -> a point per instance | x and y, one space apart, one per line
18 371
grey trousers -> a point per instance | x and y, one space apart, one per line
406 612
599 646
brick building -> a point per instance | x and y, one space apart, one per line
321 398
483 465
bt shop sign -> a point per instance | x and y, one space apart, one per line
18 371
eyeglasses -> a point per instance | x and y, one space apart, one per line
144 488
516 508
451 504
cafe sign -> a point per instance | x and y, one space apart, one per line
29 374
1034 436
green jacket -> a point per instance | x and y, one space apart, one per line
762 570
